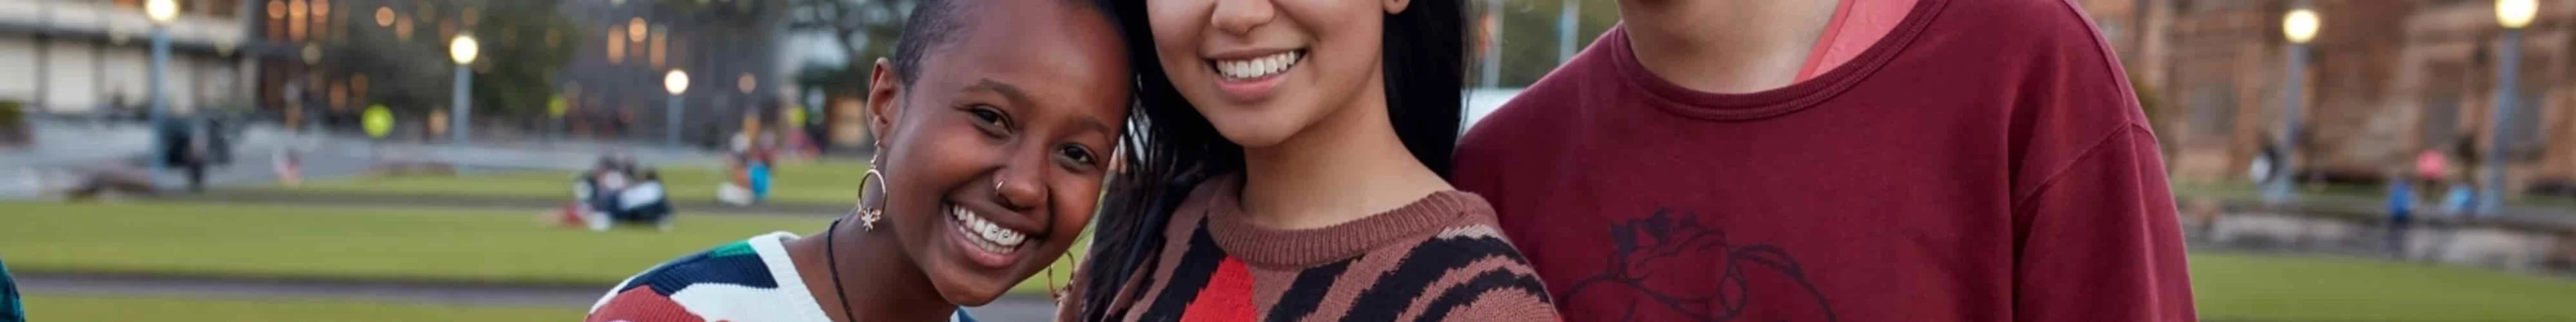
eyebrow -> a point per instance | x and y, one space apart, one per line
1095 125
1019 98
1009 92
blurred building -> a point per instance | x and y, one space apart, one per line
728 49
337 57
92 57
2387 79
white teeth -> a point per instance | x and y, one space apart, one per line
1257 67
990 237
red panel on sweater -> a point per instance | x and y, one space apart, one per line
1228 296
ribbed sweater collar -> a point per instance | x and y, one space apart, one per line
1220 200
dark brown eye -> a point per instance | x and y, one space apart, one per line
991 119
1077 154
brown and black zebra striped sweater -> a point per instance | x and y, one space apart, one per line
1437 259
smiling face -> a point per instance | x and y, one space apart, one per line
1264 70
996 152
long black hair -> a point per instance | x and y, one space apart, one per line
1171 148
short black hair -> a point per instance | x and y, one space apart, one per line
937 22
933 22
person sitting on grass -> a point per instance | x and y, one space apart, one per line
618 191
996 120
595 191
641 203
748 179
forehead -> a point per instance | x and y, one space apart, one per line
1060 52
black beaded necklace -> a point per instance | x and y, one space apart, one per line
833 262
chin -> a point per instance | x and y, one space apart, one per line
1255 130
970 288
1253 140
976 297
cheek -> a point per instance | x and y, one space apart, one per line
929 161
1175 25
1347 34
1329 13
1075 210
1330 19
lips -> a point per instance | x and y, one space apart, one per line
985 235
1257 67
1253 77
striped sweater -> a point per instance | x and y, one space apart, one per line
1437 259
752 280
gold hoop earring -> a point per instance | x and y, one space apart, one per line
868 216
1058 293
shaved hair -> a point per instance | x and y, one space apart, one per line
937 22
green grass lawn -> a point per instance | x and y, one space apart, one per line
2234 287
357 243
827 183
510 246
352 243
44 307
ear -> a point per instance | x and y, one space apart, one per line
884 87
1394 7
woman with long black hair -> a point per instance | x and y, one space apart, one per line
1287 166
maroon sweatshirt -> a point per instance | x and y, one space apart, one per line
1985 161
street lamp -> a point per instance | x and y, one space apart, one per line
2512 15
162 13
677 82
463 50
2300 26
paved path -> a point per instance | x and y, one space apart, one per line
556 296
64 149
567 297
683 206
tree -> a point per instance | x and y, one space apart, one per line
866 29
525 44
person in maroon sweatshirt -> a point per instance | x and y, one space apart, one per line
1854 160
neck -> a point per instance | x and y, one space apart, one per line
1725 46
1345 167
880 279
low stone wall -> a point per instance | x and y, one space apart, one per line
2515 245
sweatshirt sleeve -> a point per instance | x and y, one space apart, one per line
2099 241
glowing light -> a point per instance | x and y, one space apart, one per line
463 49
403 28
2300 25
2516 13
676 82
635 29
161 11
